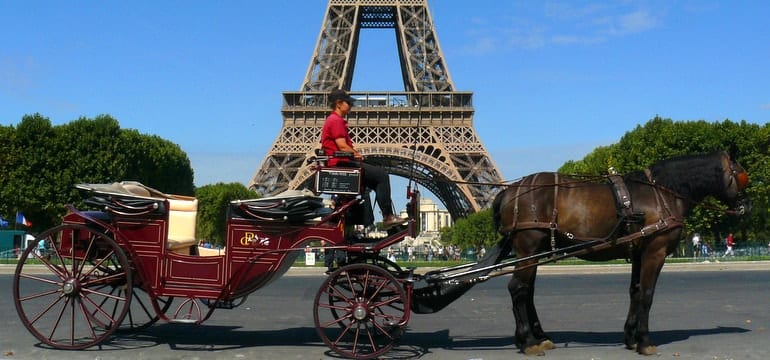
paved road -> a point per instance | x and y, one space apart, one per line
714 311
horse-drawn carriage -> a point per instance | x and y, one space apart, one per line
134 260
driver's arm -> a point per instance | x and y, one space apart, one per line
342 145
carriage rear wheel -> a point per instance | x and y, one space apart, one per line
360 311
64 285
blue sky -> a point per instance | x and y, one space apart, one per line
552 80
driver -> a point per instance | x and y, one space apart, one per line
335 136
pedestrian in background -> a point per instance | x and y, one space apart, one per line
696 249
729 242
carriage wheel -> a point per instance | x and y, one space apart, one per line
141 314
378 261
64 292
359 311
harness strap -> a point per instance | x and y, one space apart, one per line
516 206
621 193
532 200
555 215
660 200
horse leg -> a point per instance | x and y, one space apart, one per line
534 322
629 330
521 291
652 263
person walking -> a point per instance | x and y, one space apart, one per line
696 245
730 243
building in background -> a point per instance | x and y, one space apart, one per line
432 219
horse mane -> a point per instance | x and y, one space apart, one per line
691 176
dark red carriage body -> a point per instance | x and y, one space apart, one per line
258 250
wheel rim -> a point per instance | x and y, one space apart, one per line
65 296
359 311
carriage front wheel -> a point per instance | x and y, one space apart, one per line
360 311
64 285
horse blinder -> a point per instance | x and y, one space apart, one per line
741 179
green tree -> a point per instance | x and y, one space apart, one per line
474 231
213 201
156 161
33 171
41 163
445 235
596 162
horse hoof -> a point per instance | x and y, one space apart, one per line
534 350
547 344
631 346
648 350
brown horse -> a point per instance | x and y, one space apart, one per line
639 219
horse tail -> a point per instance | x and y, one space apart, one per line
497 203
504 245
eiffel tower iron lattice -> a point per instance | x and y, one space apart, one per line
424 132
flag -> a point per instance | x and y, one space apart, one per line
3 222
20 219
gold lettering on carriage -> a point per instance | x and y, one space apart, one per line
249 238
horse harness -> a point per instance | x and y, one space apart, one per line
628 228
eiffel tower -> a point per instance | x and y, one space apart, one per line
424 132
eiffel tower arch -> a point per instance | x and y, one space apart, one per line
424 132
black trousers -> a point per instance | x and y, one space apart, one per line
375 178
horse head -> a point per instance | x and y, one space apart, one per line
736 180
694 177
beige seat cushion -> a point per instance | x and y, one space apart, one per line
182 214
202 251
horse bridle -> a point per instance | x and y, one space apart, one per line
741 179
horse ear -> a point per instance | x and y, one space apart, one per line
733 151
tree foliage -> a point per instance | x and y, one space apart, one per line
474 231
41 163
213 201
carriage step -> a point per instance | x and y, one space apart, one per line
183 321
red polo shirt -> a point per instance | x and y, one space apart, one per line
335 127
